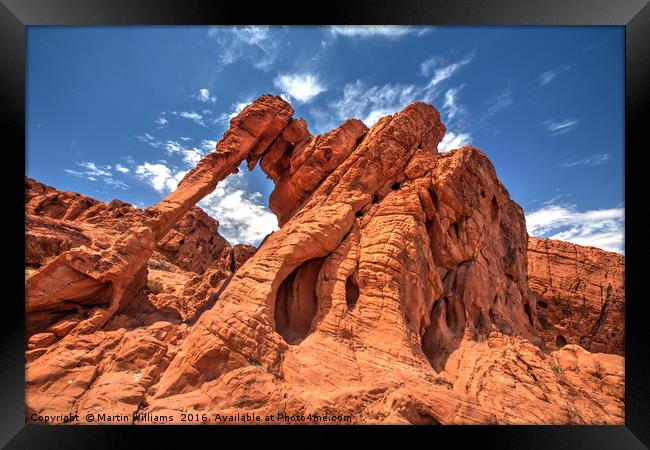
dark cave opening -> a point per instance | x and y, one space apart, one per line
351 293
296 302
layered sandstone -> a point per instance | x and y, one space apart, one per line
399 289
580 295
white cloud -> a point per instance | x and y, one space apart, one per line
369 104
242 216
172 147
602 228
301 87
450 106
546 77
428 65
93 172
452 141
204 96
562 127
121 168
254 44
193 116
367 31
159 176
593 160
92 169
191 155
208 145
161 121
116 183
146 138
444 73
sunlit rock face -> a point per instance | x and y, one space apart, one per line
401 287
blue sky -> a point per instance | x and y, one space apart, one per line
124 112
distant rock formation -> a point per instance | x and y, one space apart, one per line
401 287
580 295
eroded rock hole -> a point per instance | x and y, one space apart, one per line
359 214
296 303
395 186
443 335
542 304
560 341
494 208
351 293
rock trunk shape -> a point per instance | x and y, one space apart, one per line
107 271
250 133
398 289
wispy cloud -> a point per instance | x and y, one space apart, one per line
115 183
593 160
193 116
430 64
445 72
547 76
93 172
254 44
146 137
451 107
561 127
121 168
190 155
161 121
370 103
452 141
500 101
368 31
205 97
301 87
602 228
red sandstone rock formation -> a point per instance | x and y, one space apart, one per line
56 222
113 267
580 295
395 291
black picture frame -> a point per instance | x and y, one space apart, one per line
634 15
